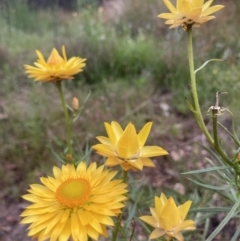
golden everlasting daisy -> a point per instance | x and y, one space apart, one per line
76 203
126 147
56 68
189 12
168 219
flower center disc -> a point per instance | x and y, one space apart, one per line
73 192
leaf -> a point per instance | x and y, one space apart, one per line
132 209
210 209
133 230
224 221
210 169
56 155
214 188
214 154
233 135
236 235
191 108
205 63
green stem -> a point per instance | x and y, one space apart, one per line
198 113
117 226
67 119
216 140
197 110
125 176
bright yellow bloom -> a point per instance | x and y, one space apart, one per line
76 203
189 12
168 219
56 68
126 147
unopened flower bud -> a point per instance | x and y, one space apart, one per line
75 103
68 157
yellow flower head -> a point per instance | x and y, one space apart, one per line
168 219
189 12
56 68
76 203
126 147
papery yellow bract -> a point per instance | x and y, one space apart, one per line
168 220
189 12
77 203
126 147
55 68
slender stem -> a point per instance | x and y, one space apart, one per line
198 113
117 226
214 124
67 119
125 176
216 140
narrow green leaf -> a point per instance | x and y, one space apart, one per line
234 136
133 230
205 63
191 108
210 169
214 188
56 155
236 235
206 228
133 209
210 209
227 174
224 222
234 131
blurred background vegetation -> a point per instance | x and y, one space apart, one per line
137 71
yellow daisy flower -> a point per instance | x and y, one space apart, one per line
168 219
76 203
56 68
189 12
126 147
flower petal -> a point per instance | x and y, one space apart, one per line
151 151
128 145
143 134
167 16
170 6
157 233
207 4
110 133
170 215
149 220
183 209
197 3
117 129
104 150
186 225
211 10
